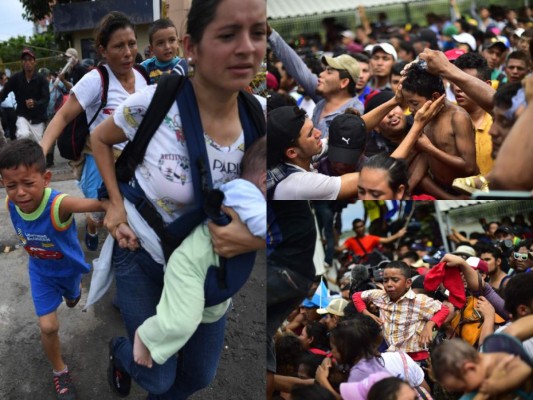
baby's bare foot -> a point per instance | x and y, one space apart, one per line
141 354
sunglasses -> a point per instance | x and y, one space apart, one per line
520 256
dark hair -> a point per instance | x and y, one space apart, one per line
276 100
503 97
319 333
408 48
356 339
524 243
24 152
108 25
396 167
343 74
310 362
482 248
421 82
518 292
355 221
410 254
520 55
162 23
386 389
403 267
361 57
311 392
448 358
289 349
254 159
475 61
397 68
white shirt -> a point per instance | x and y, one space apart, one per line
308 185
394 364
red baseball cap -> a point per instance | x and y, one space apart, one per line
453 54
478 264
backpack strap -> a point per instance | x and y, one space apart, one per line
104 77
133 153
141 70
252 117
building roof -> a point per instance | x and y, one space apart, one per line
446 205
281 9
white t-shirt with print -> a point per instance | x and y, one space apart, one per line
165 174
88 92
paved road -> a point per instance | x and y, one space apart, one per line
25 372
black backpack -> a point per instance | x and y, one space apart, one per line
72 139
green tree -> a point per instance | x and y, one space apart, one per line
38 9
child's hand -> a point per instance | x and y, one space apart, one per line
377 319
105 204
426 336
490 385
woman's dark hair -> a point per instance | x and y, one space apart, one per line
311 392
518 292
108 25
319 333
310 362
396 167
356 339
385 389
289 349
421 82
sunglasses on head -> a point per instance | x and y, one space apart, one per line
520 256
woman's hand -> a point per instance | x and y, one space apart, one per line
234 238
322 372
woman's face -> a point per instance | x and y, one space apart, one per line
121 51
374 185
232 46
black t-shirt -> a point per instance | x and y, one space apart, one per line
292 235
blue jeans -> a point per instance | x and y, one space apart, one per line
139 281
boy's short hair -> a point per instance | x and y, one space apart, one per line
503 97
22 152
254 159
519 55
448 358
421 82
475 61
162 23
397 68
518 292
405 270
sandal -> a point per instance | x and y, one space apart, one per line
471 184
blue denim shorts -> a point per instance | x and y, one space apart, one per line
89 183
48 291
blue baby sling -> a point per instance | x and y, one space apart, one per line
224 281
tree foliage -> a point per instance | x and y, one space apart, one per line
38 9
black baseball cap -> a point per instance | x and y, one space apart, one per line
505 229
378 99
283 130
347 138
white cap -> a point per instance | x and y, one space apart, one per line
348 34
335 307
466 38
519 31
387 48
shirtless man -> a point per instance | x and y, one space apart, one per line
448 139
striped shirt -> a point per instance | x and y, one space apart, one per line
404 319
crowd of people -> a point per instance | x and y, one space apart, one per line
395 316
209 146
442 110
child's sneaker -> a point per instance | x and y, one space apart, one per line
64 387
91 239
119 380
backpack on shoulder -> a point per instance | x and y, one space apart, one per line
72 139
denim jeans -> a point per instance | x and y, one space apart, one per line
139 281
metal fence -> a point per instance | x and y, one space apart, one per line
398 15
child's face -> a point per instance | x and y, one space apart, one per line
395 283
406 392
25 186
414 101
164 44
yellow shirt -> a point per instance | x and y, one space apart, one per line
484 145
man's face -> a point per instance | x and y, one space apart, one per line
520 260
500 128
309 142
28 63
392 126
359 228
461 97
414 101
381 64
394 82
364 76
516 70
494 56
329 81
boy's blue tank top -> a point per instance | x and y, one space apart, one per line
53 245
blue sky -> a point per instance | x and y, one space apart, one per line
11 22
